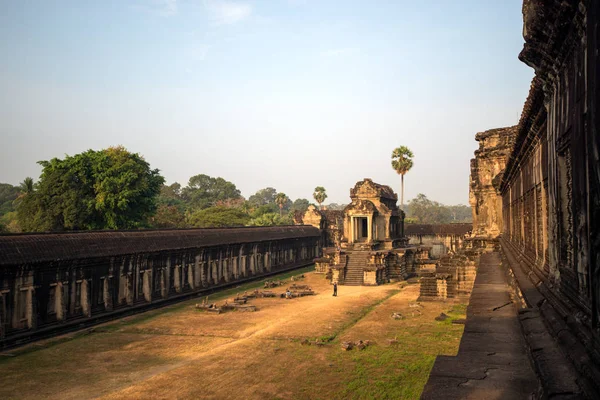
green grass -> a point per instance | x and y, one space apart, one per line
400 371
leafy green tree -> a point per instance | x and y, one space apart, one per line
263 197
281 199
461 213
300 205
106 189
270 219
204 191
320 195
10 222
8 194
218 216
426 211
264 209
402 163
168 217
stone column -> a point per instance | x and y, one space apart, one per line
58 302
85 301
177 278
147 287
352 232
369 228
106 294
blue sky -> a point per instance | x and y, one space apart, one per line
291 94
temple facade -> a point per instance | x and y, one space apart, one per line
540 203
365 243
372 220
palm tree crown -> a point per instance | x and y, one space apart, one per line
280 200
319 195
402 163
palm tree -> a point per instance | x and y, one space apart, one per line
26 186
320 195
402 163
280 200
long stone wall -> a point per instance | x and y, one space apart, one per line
550 190
50 282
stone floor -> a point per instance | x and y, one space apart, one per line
492 361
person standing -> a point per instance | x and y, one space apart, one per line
335 288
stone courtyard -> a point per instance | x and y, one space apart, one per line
180 352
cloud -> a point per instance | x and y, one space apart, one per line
227 12
340 52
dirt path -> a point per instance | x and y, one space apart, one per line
191 354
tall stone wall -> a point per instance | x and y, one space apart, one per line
487 167
550 186
53 281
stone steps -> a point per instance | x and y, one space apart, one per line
354 269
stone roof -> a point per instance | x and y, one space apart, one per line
19 249
383 191
438 229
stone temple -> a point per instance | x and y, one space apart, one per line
365 243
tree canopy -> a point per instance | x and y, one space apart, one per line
425 211
320 195
106 189
218 217
402 163
204 191
262 197
8 194
281 199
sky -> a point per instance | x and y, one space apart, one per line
290 94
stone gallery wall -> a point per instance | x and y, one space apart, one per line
49 282
550 185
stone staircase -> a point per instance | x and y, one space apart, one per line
357 261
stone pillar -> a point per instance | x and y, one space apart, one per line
369 228
177 278
191 279
85 299
352 231
106 294
147 286
164 290
58 302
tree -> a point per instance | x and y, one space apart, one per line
336 206
8 194
204 191
402 163
426 211
270 219
168 217
217 217
319 195
106 189
263 197
300 205
281 199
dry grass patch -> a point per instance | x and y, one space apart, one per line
181 352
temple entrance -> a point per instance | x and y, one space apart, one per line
361 229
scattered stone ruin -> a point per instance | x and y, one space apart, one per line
59 281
